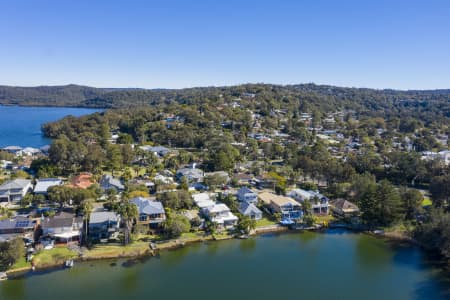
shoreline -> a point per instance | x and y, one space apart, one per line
179 243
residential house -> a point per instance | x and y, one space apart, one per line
151 213
63 227
319 203
221 215
109 182
250 210
17 150
29 151
202 200
191 174
157 150
243 178
289 209
14 190
17 225
42 185
244 194
103 224
344 208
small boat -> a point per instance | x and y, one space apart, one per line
69 263
3 276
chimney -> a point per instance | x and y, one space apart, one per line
193 165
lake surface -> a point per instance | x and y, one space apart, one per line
21 126
335 265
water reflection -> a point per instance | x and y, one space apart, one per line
13 290
247 245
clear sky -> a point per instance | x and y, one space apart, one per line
175 44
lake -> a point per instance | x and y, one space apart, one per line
335 265
21 126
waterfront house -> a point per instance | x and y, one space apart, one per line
250 210
151 213
42 185
344 208
63 227
319 203
14 190
289 209
109 182
221 215
244 194
103 225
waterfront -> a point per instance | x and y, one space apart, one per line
21 126
335 265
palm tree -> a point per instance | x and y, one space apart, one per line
129 214
86 208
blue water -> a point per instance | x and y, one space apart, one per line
21 126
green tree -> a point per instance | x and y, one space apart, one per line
10 252
129 214
175 225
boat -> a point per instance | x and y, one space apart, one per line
69 263
3 276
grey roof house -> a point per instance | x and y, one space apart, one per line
14 190
191 174
244 194
108 182
151 213
103 224
250 210
63 227
42 185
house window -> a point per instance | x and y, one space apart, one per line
143 218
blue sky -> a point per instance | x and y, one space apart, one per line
175 44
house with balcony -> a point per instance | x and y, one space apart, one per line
103 225
151 213
319 203
289 209
14 190
63 227
221 214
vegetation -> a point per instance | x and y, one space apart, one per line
11 252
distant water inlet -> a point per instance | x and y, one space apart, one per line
21 126
334 265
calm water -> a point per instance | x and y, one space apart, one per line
21 126
336 265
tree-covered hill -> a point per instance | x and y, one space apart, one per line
427 105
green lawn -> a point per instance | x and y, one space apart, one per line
21 263
55 256
112 251
426 201
265 222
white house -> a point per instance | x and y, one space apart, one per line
221 215
318 201
244 194
202 200
14 190
42 185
